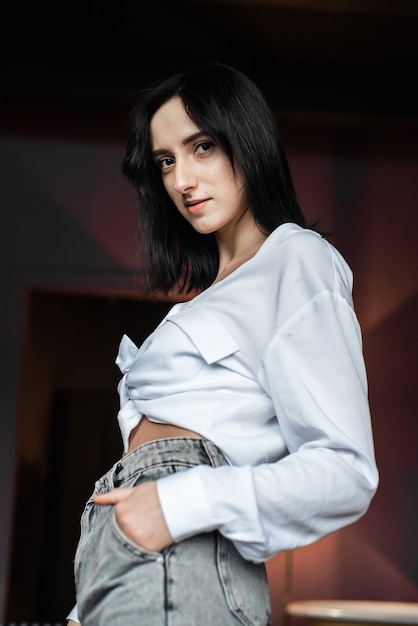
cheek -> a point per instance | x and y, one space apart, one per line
169 189
232 182
166 184
177 200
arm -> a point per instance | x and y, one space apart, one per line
314 372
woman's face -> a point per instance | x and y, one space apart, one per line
196 172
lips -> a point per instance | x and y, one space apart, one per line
195 206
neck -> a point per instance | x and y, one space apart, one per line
236 250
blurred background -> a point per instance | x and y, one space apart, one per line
341 77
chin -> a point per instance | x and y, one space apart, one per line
203 230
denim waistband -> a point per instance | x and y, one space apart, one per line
175 450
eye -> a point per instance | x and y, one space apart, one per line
165 163
203 147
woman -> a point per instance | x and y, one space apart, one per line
244 416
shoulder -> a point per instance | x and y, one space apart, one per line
306 263
292 239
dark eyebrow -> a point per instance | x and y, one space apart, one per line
186 140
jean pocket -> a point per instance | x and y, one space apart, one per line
130 545
245 586
85 529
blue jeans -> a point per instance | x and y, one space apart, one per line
202 581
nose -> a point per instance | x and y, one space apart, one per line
184 177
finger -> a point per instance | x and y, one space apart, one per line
114 496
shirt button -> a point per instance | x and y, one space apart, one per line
160 559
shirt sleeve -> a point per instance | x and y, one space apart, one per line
73 615
313 369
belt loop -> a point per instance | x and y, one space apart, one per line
213 453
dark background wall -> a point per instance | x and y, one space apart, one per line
340 76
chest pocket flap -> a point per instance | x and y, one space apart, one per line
207 333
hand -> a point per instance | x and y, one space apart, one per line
139 515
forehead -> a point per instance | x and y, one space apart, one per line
170 124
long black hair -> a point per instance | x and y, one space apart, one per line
227 106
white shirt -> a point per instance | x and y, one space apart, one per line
267 364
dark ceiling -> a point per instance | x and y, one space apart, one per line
335 56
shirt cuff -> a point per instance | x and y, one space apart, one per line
205 498
73 615
186 508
